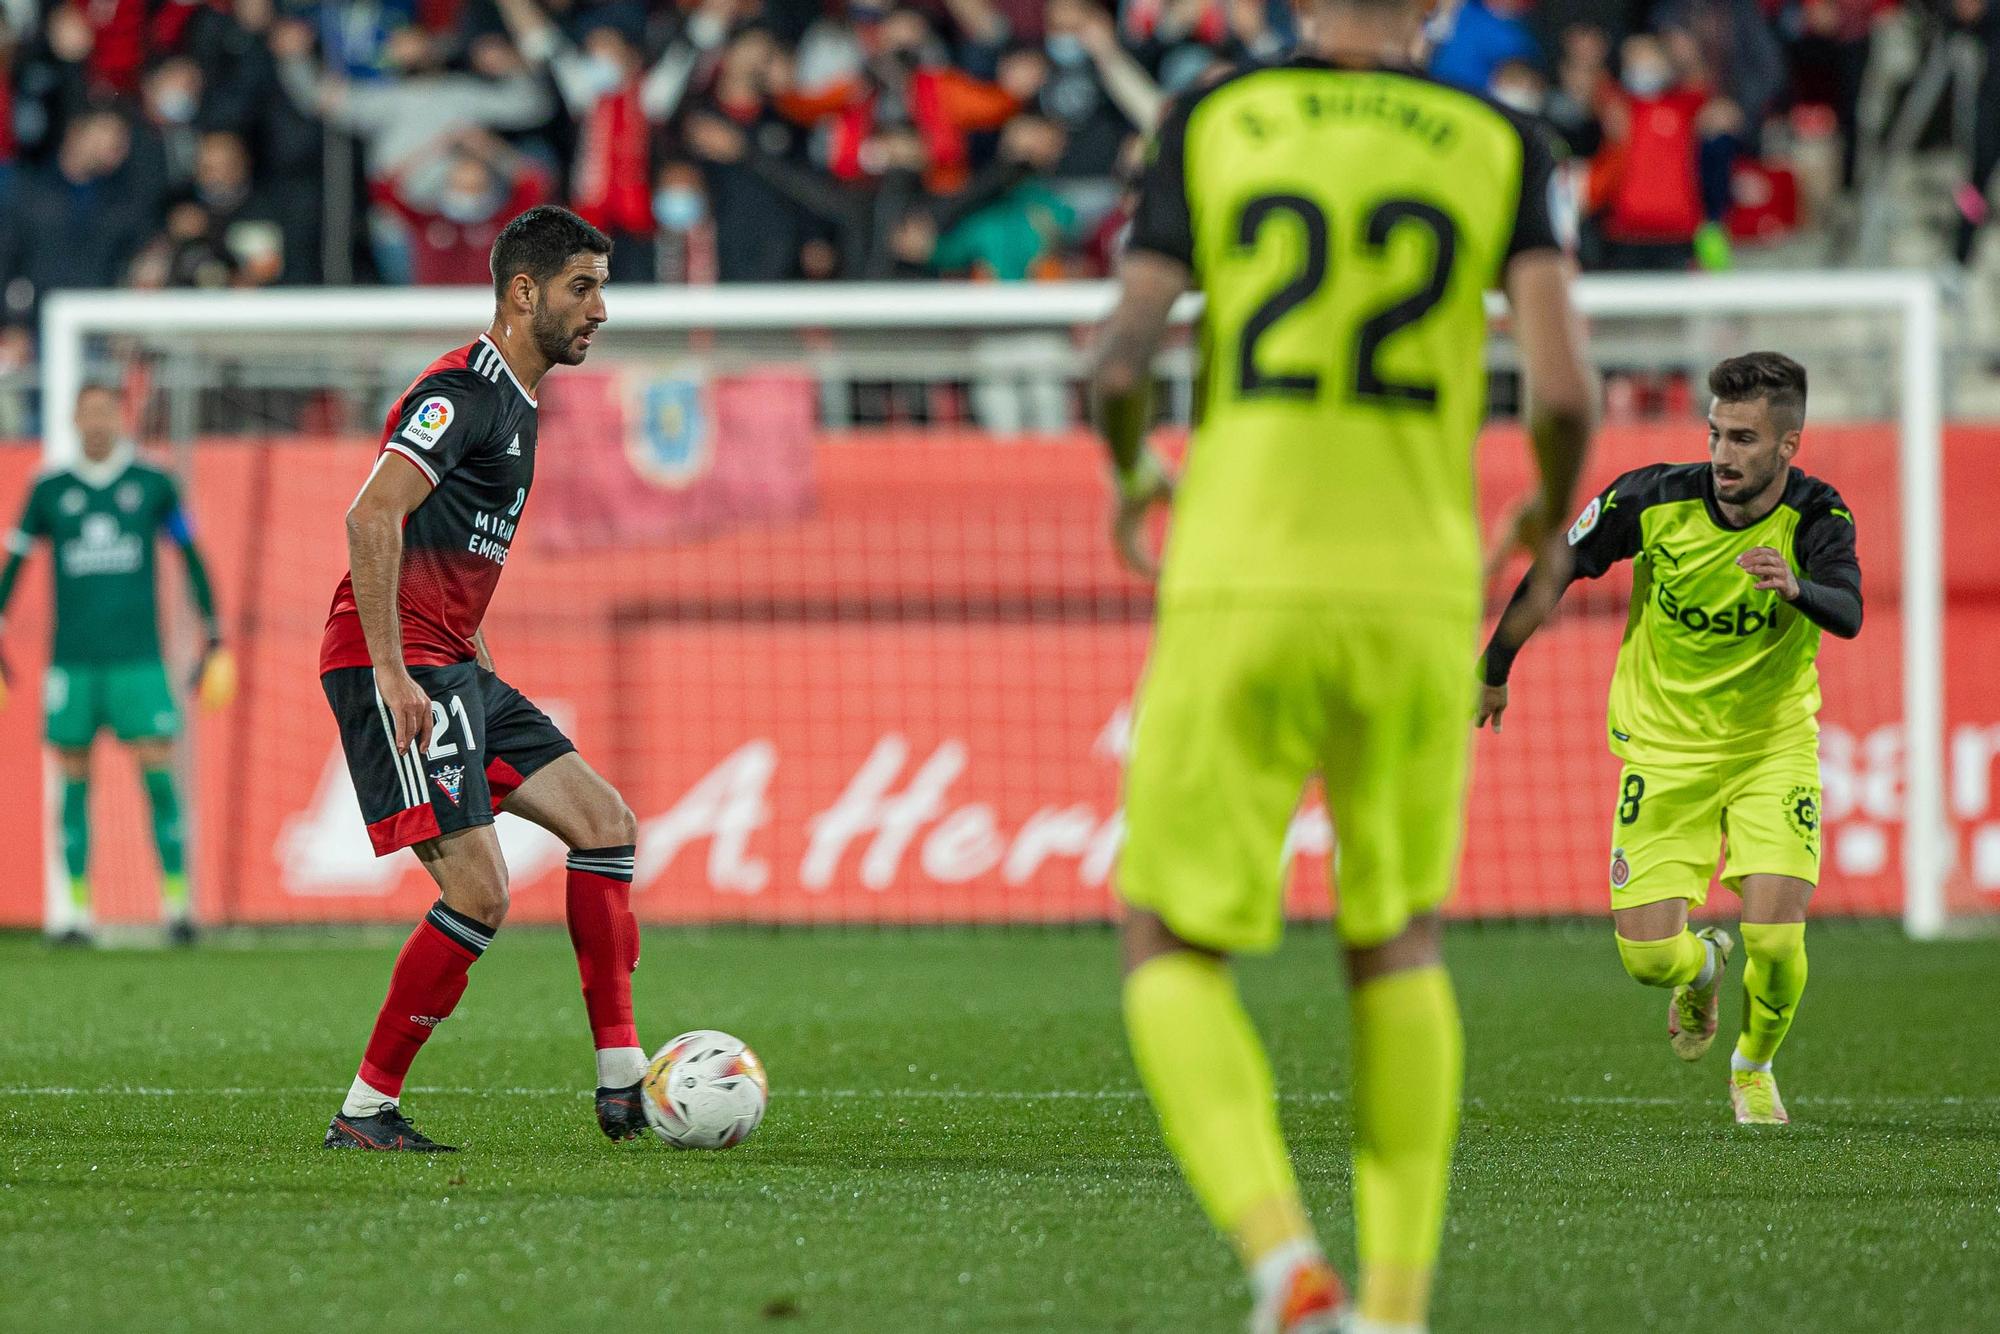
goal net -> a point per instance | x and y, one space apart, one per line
819 578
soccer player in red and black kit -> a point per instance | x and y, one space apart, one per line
435 741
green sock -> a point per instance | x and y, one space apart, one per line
168 838
1409 1065
76 839
1211 1084
1774 977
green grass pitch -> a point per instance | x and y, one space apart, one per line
956 1142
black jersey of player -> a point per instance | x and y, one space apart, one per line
469 427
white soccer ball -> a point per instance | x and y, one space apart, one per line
705 1090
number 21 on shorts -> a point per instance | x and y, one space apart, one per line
439 748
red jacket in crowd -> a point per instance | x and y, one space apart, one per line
1645 185
444 253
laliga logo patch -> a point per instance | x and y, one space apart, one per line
429 423
450 780
1621 870
1586 521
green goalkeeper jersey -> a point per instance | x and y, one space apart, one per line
103 535
1710 667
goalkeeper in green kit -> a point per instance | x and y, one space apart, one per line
101 518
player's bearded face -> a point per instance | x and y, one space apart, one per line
568 310
1746 449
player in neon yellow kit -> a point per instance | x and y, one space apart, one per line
1739 565
101 518
1344 216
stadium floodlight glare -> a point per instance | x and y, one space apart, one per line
1899 309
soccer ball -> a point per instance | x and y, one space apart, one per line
704 1090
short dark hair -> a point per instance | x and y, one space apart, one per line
539 243
1772 376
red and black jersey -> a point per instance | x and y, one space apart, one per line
469 426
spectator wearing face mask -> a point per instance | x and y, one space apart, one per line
486 184
1098 94
1726 49
600 79
1583 85
906 87
165 139
759 229
686 251
1644 189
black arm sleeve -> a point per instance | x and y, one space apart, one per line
1537 225
1830 594
1605 533
1161 222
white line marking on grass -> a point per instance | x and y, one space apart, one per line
1328 1097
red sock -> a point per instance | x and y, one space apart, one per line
424 988
606 937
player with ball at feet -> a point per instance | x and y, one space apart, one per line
1739 565
435 741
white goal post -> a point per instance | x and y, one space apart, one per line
71 320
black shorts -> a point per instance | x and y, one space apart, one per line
485 739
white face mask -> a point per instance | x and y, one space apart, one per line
1519 97
600 75
1647 78
465 209
176 106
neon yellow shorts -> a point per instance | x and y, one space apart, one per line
1673 822
1241 703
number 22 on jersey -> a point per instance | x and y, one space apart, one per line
1366 380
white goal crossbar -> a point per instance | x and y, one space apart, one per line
71 319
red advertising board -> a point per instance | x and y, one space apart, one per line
903 697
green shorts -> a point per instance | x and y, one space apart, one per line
133 699
1242 702
1673 822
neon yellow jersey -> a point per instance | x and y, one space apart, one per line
1709 667
1345 225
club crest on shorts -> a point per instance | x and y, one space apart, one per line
1621 870
1802 813
450 779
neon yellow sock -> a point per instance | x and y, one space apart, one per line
1409 1066
1211 1085
174 895
1774 977
1664 963
79 893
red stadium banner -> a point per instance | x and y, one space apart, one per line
898 690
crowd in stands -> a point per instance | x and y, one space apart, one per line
163 143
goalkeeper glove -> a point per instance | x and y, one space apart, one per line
215 684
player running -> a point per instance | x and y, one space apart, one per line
1344 217
436 743
1738 565
102 517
